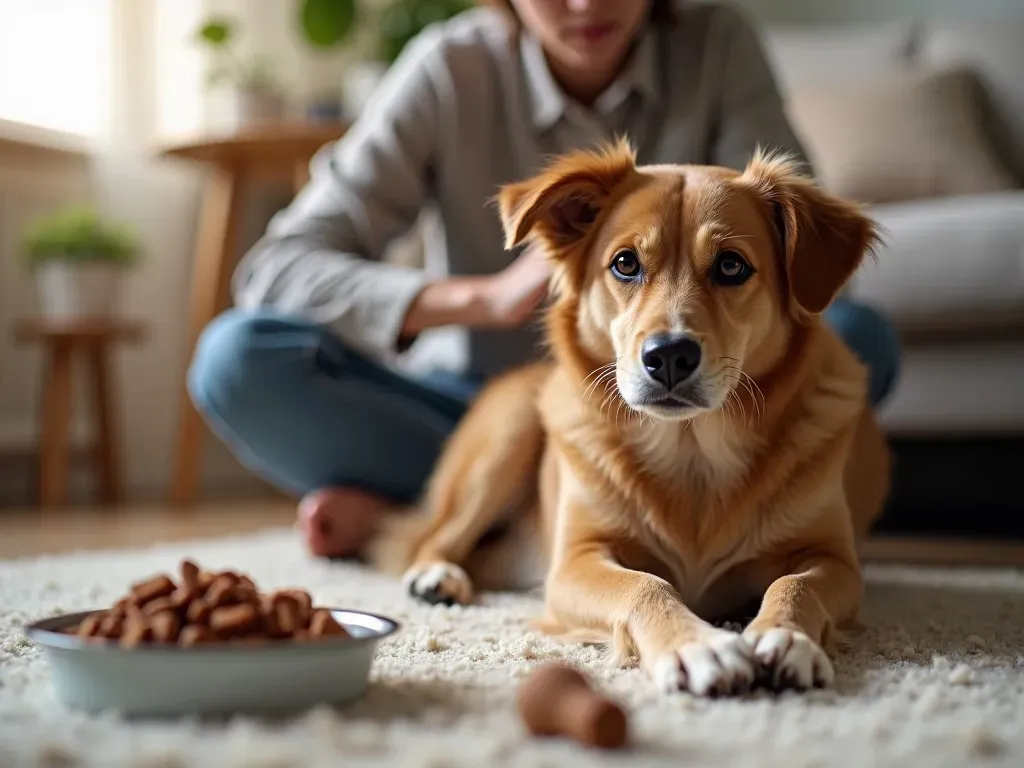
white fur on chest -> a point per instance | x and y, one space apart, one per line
703 455
696 462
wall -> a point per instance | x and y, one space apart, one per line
853 11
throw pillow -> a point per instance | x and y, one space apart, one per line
911 135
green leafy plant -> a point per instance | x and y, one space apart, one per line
325 23
401 20
218 34
78 234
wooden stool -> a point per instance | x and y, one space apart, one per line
270 151
61 341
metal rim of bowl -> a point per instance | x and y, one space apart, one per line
46 632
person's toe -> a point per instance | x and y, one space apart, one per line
337 523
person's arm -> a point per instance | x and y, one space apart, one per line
321 256
751 108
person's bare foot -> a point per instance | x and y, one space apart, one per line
338 522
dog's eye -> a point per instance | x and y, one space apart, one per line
731 269
626 265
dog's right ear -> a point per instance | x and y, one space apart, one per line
558 205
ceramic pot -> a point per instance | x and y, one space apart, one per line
75 290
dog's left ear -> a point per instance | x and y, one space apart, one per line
559 204
824 238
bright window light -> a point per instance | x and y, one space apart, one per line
55 64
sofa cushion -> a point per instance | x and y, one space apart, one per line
995 50
949 261
808 55
902 136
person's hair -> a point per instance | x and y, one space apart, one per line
662 11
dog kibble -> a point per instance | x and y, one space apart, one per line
189 573
234 619
199 612
323 625
208 607
194 634
159 586
558 701
165 626
89 627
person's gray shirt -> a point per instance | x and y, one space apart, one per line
465 109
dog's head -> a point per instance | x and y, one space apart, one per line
683 279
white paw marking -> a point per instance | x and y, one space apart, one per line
438 582
722 664
791 659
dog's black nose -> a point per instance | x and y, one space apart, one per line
670 360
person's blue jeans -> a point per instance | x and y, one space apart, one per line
302 410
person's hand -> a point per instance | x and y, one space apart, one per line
509 298
505 299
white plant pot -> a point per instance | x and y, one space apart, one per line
243 107
70 291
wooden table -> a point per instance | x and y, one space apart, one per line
273 151
93 340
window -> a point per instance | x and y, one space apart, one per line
55 64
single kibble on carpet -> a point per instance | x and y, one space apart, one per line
558 701
208 607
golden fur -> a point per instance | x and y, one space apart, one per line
649 522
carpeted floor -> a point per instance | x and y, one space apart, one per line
937 680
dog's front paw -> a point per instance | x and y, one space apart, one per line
439 582
719 665
791 659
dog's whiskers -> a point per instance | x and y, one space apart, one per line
751 386
602 375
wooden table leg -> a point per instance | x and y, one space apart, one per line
55 442
107 456
211 275
214 257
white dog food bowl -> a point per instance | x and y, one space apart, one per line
211 679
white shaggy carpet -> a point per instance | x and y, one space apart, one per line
937 680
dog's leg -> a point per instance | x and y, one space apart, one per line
801 615
588 593
486 472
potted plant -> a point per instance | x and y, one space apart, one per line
253 93
78 258
392 24
323 25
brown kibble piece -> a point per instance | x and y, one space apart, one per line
90 626
558 701
158 586
221 591
243 594
199 612
302 599
165 627
112 624
185 595
136 631
189 573
159 605
287 614
233 619
323 624
194 634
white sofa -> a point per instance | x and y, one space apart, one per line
939 159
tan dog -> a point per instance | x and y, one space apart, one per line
699 440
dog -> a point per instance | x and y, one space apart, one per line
696 439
